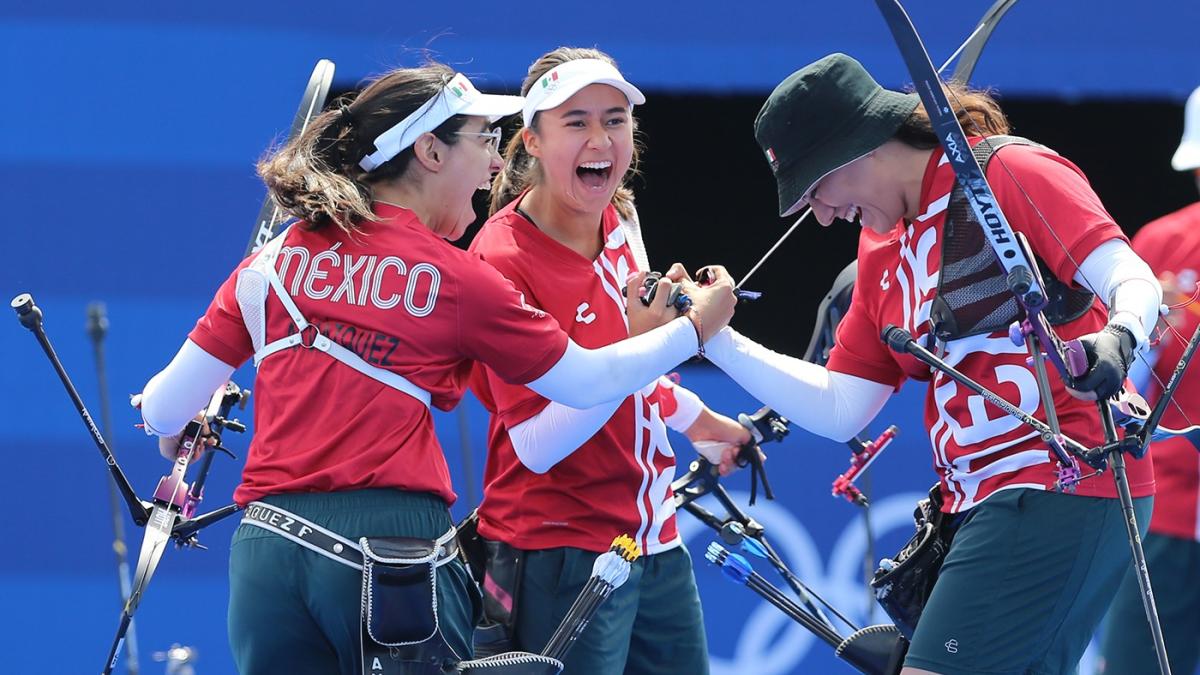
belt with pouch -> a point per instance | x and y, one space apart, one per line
336 547
399 623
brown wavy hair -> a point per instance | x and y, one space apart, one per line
316 176
521 169
977 111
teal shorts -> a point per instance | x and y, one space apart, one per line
651 625
1174 566
1028 577
293 610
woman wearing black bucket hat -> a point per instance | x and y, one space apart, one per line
1030 571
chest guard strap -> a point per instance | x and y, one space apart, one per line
257 280
972 296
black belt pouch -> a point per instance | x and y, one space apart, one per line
399 606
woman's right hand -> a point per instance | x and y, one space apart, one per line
643 319
713 302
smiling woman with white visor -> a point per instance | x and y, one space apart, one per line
360 318
560 483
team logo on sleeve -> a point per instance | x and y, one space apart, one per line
533 311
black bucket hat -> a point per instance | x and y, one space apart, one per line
821 118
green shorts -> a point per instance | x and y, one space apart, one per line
652 624
293 610
1027 579
1127 646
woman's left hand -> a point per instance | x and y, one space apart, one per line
718 439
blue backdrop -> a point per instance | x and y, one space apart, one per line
135 83
126 171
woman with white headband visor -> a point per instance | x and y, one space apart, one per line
560 483
360 317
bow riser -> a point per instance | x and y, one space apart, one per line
1023 279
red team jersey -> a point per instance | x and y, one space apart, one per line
1171 246
977 449
401 298
619 481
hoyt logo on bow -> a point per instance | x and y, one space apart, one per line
1024 280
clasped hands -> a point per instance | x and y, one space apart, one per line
712 298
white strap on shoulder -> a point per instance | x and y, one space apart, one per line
252 285
633 236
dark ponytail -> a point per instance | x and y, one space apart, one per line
977 112
317 178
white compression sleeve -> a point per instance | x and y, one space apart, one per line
583 378
688 406
172 398
1126 285
554 433
827 403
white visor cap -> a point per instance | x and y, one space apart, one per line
1187 157
564 80
458 97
